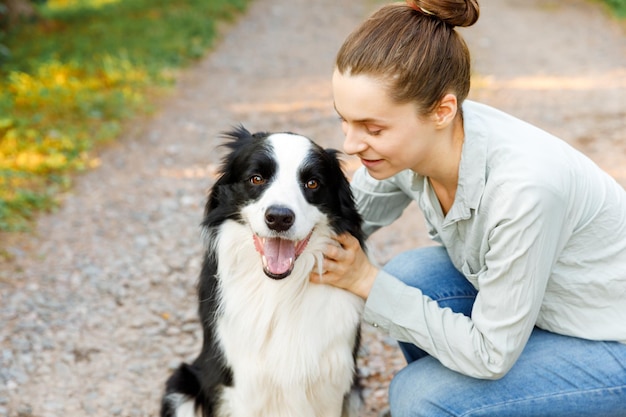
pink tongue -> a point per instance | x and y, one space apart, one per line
280 254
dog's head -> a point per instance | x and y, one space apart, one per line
282 186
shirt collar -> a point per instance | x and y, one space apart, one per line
472 168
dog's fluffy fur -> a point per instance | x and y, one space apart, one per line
275 345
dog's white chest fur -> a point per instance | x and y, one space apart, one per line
289 342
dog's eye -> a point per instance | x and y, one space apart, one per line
312 184
257 180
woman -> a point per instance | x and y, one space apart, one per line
521 311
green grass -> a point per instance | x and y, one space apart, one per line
71 78
618 6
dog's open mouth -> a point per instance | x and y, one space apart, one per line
279 255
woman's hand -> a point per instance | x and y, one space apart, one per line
347 266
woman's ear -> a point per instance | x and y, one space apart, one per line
446 111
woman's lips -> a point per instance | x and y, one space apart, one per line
370 163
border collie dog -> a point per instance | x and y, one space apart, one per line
275 344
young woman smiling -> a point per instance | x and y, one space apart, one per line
520 311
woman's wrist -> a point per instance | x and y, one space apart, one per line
366 282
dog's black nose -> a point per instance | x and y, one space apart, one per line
279 218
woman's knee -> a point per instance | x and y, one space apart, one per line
415 391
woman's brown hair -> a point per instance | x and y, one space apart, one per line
414 49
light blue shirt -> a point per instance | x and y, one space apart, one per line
536 227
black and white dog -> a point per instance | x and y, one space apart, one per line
275 345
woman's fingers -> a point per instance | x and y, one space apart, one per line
347 241
346 266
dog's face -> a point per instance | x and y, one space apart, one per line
282 186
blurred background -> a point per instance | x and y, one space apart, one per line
72 71
110 121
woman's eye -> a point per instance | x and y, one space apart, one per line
373 131
312 184
257 180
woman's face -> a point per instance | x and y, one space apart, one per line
388 137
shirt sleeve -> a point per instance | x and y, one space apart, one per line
378 202
523 246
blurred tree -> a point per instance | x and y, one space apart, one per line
12 11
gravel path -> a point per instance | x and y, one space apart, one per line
98 304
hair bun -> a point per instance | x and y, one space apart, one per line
453 12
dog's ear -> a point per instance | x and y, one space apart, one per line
236 135
350 219
234 139
239 133
217 205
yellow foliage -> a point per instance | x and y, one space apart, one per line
59 84
66 4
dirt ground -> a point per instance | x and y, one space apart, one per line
97 305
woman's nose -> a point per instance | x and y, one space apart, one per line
353 143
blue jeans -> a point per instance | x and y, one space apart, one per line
556 376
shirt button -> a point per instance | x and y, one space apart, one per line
375 324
